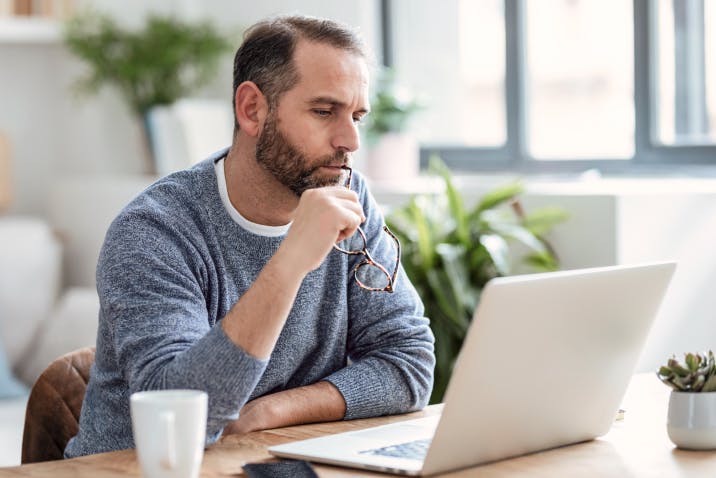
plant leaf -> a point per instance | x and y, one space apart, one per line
455 201
710 385
519 233
497 248
424 235
442 299
542 261
664 371
692 361
453 260
497 197
541 221
677 368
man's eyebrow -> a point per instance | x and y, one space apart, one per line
327 100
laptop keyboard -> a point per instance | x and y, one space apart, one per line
413 450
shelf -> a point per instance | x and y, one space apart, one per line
29 31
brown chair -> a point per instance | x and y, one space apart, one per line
53 409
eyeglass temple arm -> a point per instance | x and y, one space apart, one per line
394 276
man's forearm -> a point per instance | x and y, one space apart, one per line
256 320
319 402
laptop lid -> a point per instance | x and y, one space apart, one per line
545 363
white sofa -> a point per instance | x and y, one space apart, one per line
38 321
30 268
48 301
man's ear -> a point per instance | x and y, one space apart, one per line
251 108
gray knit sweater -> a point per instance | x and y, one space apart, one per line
174 263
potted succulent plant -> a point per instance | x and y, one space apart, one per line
691 420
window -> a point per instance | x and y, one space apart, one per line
685 72
465 86
559 85
580 82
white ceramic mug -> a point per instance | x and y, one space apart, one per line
169 432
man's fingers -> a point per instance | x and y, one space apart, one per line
339 190
353 207
353 220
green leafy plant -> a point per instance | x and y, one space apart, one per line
158 64
696 374
450 252
391 108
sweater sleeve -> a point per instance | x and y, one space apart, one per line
390 343
149 280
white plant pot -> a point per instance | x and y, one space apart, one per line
691 421
395 156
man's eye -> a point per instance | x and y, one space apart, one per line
322 113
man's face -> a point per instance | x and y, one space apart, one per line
289 166
310 135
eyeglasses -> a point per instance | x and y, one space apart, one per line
369 274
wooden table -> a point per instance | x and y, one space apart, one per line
635 447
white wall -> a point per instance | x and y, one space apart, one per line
53 133
679 225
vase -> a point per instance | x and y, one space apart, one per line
691 420
5 174
396 156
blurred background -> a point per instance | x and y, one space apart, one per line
605 109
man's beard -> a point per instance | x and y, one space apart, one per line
289 166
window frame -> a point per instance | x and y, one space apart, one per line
650 156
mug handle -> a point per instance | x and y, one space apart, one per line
166 420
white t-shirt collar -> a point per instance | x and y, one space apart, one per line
258 229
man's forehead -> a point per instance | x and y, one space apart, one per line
321 64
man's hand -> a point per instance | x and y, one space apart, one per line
324 216
320 402
255 415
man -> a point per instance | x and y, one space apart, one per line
224 277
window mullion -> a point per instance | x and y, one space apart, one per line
515 91
386 19
643 85
691 117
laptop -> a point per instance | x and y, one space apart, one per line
545 363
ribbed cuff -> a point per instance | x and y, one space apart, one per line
230 375
362 388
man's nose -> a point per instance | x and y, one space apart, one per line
346 136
